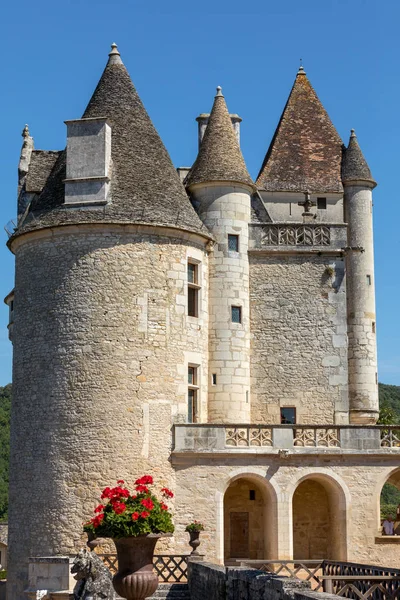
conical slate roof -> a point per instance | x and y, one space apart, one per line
219 157
306 150
145 187
354 165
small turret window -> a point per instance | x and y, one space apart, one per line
321 203
233 243
369 280
236 314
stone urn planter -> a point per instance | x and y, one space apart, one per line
135 579
194 542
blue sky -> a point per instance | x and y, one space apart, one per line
177 53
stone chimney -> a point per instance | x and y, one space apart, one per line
202 120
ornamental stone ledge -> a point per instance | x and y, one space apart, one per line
284 440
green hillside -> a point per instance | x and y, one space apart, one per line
389 396
5 406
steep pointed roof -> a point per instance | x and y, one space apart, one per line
354 165
306 150
219 157
145 187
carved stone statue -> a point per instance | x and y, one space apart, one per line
94 580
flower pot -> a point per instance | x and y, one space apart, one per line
194 542
135 579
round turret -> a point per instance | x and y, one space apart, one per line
101 336
363 379
221 188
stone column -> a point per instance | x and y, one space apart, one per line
363 377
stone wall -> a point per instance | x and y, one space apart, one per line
220 583
100 373
299 338
311 521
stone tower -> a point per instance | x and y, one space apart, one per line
100 336
363 378
221 189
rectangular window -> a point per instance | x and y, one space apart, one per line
252 494
193 289
236 314
193 392
288 415
373 327
214 379
369 280
321 203
233 243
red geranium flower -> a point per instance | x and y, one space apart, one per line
97 520
106 493
120 481
133 497
144 514
145 480
99 508
148 503
166 492
119 507
163 506
142 489
135 516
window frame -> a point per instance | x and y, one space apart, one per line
281 408
234 236
193 386
194 287
237 306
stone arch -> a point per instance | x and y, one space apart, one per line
393 477
265 510
319 502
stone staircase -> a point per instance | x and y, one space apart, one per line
171 591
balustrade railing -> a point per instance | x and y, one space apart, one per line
311 234
349 580
304 436
245 436
170 568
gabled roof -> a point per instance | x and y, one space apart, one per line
354 165
306 150
145 187
219 157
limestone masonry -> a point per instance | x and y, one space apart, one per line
217 333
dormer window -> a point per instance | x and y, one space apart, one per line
321 203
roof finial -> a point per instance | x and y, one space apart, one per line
219 91
25 132
301 70
115 57
352 133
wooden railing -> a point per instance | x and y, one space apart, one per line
306 570
170 568
349 580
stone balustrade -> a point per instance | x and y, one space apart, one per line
207 437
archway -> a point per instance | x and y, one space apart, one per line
319 519
250 520
389 503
